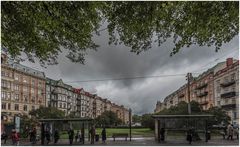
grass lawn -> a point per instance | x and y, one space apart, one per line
136 132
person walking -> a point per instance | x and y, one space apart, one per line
77 136
162 134
56 136
230 132
92 135
33 135
189 136
17 138
13 137
71 135
47 135
4 136
104 135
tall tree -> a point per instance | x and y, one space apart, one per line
108 118
47 112
42 29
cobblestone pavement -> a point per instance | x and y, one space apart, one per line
140 142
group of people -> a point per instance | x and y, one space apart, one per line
15 136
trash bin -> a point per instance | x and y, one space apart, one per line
96 137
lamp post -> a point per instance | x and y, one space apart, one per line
130 123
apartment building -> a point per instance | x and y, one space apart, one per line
218 86
60 95
22 88
226 86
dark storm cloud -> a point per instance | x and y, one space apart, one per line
117 61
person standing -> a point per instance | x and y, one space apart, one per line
56 136
162 134
92 135
34 136
13 137
104 135
4 136
71 135
47 134
77 136
230 132
189 136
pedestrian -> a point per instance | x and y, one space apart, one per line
13 137
34 135
47 134
17 137
162 134
4 136
77 136
104 135
71 135
82 136
56 136
230 132
189 136
92 135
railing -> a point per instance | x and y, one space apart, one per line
202 94
202 86
228 94
229 83
228 106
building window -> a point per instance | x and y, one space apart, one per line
25 79
25 98
233 77
16 77
16 87
16 97
25 89
9 106
218 103
25 108
4 106
33 107
16 107
33 82
234 115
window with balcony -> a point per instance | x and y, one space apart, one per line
4 106
16 77
16 107
9 106
25 108
16 87
16 97
25 98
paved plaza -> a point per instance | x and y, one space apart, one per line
140 141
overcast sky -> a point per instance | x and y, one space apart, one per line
117 61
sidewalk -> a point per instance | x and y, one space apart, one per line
141 141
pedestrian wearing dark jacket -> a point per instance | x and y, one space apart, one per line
71 136
104 135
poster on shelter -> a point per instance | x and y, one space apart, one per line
17 123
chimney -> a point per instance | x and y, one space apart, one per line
229 61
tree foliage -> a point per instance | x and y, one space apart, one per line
219 115
136 118
40 29
47 112
147 121
108 118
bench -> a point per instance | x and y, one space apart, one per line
123 135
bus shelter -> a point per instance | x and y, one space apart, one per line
181 123
83 124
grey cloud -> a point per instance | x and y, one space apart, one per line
117 61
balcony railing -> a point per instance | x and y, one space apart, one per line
229 83
181 96
204 103
202 94
228 94
228 106
202 86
